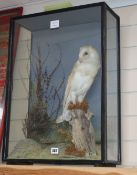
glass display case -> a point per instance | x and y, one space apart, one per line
63 88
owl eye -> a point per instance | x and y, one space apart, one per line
86 53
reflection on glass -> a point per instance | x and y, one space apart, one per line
112 88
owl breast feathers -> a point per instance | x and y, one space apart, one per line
80 79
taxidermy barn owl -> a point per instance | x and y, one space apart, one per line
80 79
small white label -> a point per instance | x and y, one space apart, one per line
54 151
54 24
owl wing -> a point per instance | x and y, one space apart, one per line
69 83
79 81
65 114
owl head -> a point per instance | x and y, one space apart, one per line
88 53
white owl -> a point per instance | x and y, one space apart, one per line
80 79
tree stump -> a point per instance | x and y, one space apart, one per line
83 134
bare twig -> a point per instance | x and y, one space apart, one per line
48 101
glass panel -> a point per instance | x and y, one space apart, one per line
56 97
20 92
112 88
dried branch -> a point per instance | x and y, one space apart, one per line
48 99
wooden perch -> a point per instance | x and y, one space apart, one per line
83 135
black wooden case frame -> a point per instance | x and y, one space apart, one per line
86 27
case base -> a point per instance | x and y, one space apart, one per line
19 163
105 165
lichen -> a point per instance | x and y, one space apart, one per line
79 105
71 150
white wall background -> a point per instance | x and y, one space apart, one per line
33 6
128 17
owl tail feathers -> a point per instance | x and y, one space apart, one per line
59 119
64 117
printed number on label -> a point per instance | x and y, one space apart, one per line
54 24
54 151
